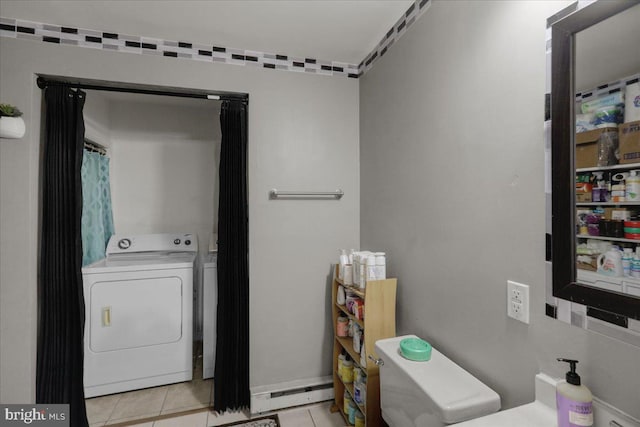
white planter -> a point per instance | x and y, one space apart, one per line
11 127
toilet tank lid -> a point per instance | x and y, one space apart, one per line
453 394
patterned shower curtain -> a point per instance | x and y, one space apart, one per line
97 218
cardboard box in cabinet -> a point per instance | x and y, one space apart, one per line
583 192
587 148
629 135
587 263
620 214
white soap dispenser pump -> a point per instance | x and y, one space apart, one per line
574 400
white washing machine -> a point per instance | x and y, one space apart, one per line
209 313
139 313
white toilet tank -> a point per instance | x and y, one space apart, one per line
434 393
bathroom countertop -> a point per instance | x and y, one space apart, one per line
535 414
542 411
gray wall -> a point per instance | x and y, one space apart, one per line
164 167
452 188
303 134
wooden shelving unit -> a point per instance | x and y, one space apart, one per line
379 322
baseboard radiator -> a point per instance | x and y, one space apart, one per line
293 393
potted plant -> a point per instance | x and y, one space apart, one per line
11 124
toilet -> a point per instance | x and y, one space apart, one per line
433 393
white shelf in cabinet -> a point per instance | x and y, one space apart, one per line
607 203
610 168
613 239
625 285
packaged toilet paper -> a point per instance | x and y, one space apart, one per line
632 103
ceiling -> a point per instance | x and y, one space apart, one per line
609 50
333 30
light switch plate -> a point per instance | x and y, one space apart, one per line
518 301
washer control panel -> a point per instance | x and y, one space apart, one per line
124 244
167 242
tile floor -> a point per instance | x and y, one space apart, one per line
152 402
194 396
139 404
315 415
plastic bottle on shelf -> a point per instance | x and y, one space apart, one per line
357 336
363 269
381 266
347 371
347 401
359 383
599 192
618 187
342 327
371 267
356 269
632 186
627 258
344 260
635 266
352 412
341 358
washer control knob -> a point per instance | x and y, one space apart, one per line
177 241
124 243
187 242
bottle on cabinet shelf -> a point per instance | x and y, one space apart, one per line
632 187
341 358
627 258
347 371
342 327
358 267
344 260
347 402
381 266
635 264
371 267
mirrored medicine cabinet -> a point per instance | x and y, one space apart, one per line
595 51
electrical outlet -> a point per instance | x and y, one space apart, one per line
516 295
516 309
518 301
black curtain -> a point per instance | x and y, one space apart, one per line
59 377
231 376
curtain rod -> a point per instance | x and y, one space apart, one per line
95 147
43 83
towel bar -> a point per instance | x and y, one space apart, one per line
274 194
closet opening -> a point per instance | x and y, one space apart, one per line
148 159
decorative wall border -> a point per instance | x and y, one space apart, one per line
16 28
412 14
93 39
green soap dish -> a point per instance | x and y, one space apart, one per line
415 349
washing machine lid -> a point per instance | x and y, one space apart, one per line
141 262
